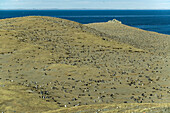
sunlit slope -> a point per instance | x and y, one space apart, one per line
66 64
117 108
16 98
147 40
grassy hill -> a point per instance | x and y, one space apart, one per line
151 41
60 63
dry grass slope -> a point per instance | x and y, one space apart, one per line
16 98
60 63
151 41
117 108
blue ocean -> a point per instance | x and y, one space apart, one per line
151 20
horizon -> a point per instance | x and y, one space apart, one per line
79 9
85 4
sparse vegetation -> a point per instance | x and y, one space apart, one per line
55 65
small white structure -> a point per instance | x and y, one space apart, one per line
114 21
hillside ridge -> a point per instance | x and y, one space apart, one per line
148 40
68 64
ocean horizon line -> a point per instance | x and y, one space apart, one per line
80 9
150 20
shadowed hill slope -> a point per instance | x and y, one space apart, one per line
69 64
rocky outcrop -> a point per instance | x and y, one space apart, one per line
114 21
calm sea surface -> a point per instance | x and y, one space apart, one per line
152 20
